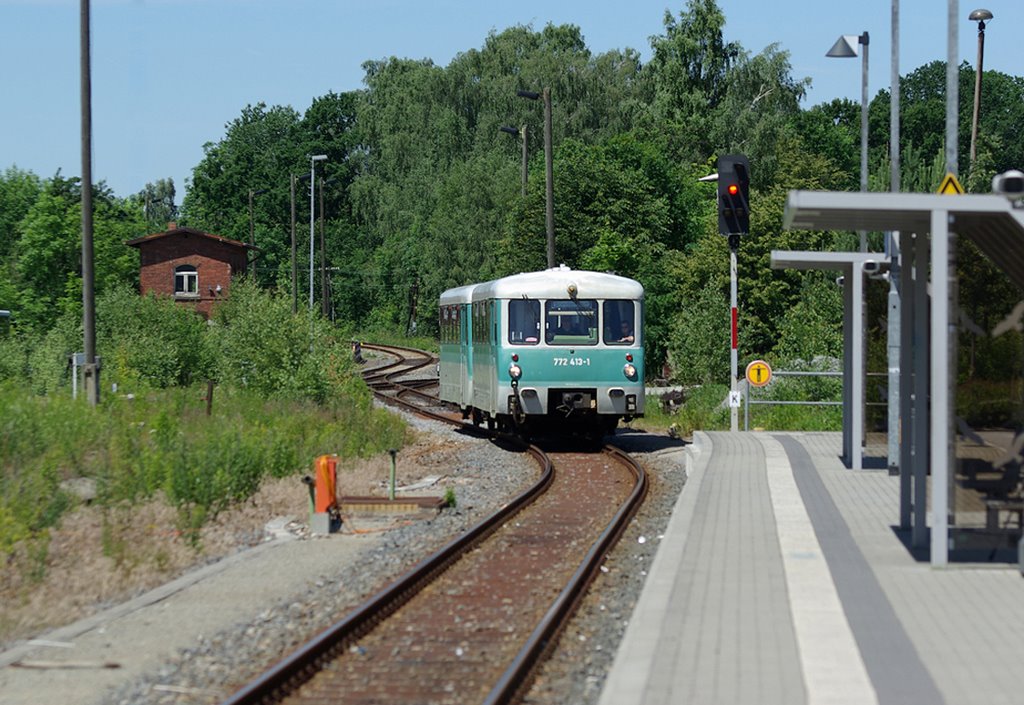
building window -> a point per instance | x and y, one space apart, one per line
186 281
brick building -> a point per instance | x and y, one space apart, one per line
192 266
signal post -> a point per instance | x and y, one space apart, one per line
733 221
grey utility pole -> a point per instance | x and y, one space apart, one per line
91 369
549 188
952 89
892 246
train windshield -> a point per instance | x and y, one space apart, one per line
523 322
570 322
619 322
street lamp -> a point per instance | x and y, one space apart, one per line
980 16
312 191
846 47
520 132
549 192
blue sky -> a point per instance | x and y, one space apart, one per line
169 74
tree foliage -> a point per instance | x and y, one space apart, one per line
42 279
422 190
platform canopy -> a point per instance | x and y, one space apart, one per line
992 222
927 224
852 267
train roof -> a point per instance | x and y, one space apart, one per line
458 295
554 284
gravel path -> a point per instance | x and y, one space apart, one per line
219 626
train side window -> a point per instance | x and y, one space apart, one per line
619 322
523 322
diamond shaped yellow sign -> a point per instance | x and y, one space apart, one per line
950 186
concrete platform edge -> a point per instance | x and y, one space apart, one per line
629 674
86 624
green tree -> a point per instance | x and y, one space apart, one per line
708 96
258 152
813 326
18 191
48 255
923 121
157 201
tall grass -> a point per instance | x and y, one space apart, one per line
705 408
286 391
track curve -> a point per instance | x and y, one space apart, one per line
472 621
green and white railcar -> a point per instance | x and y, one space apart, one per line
555 350
456 367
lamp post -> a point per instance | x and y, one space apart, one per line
295 294
312 190
847 46
520 132
549 193
980 16
325 298
252 221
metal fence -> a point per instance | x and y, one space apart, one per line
750 401
779 402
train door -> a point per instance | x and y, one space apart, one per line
466 355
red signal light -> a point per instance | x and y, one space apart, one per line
733 189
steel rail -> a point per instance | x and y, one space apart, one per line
304 662
301 665
518 675
379 381
298 667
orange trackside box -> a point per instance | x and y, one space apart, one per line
325 495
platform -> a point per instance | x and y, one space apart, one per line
783 578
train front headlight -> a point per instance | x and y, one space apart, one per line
515 371
629 369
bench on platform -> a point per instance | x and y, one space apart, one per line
1014 505
1000 483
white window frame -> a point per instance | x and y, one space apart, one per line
188 275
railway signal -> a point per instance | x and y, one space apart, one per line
733 197
733 179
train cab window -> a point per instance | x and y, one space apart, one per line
619 322
523 322
570 322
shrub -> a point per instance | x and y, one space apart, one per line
288 391
261 346
699 347
150 340
814 326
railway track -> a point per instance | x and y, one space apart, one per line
392 384
469 623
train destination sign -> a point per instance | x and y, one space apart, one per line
759 373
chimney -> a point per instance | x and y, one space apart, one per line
172 226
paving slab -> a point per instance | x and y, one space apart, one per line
783 578
78 664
